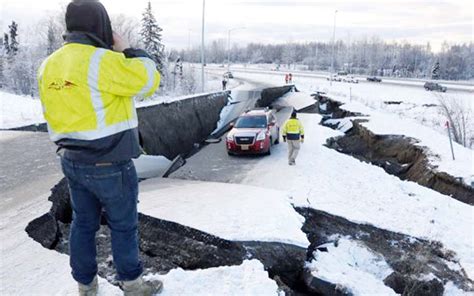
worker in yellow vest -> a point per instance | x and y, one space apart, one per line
293 133
86 89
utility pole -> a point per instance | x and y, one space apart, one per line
202 46
333 43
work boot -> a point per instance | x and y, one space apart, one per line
90 289
139 287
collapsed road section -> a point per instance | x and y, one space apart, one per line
397 155
167 245
174 129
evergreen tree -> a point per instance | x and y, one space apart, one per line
151 38
13 38
435 71
6 44
2 77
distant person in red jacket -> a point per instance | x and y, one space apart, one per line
287 77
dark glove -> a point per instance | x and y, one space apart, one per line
284 138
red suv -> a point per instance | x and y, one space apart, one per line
254 132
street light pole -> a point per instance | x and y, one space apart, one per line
333 43
202 45
228 45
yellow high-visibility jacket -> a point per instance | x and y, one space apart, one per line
293 129
87 92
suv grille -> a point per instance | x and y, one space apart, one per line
244 140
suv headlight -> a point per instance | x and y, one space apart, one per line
230 138
261 136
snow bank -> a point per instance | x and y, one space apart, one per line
350 264
250 278
342 185
230 211
18 110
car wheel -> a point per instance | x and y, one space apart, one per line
230 153
269 150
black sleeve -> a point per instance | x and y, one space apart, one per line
135 53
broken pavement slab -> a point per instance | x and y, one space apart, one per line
231 211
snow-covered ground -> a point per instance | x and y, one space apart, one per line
250 278
416 102
349 264
411 119
230 211
344 186
29 269
18 110
301 70
261 208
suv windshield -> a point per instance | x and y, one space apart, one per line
251 122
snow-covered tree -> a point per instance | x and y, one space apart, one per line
51 30
6 44
127 27
51 40
435 71
151 37
2 66
13 38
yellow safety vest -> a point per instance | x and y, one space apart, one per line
87 92
294 127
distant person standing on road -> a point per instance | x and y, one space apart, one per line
290 78
86 89
293 133
287 78
224 83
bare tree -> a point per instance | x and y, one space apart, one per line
127 27
459 116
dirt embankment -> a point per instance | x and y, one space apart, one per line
397 155
410 258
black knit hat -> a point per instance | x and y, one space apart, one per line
293 114
89 16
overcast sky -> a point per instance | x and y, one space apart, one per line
282 21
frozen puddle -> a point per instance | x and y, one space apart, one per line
249 278
230 211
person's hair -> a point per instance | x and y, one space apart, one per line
293 114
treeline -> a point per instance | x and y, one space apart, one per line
22 55
367 57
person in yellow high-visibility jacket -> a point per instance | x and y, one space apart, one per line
293 133
86 90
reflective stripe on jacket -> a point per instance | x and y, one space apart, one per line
87 92
293 129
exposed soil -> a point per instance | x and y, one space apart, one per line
397 155
166 245
409 257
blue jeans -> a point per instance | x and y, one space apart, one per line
113 188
